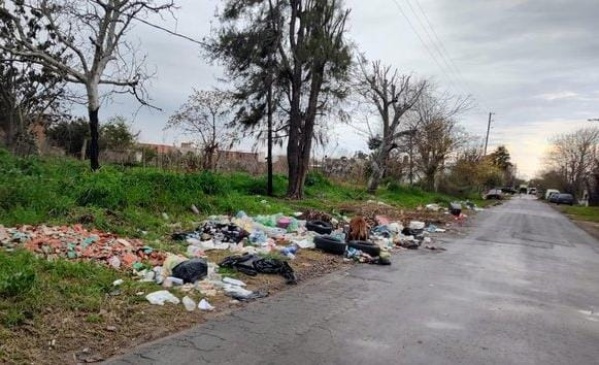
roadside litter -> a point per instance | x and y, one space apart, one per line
161 297
252 265
76 242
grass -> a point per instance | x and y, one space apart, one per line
29 285
133 202
589 214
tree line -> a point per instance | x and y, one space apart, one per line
291 74
572 164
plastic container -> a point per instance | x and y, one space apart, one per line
283 222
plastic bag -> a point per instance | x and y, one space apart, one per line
205 306
162 296
191 270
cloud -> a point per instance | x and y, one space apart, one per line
558 95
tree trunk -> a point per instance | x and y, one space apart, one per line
93 97
375 178
94 148
269 188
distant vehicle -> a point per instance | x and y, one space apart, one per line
548 193
564 199
493 194
553 197
532 191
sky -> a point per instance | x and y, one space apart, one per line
533 63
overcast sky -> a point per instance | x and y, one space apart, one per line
535 63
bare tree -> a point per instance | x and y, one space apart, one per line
392 95
437 133
204 116
574 156
90 38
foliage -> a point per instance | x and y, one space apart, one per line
127 200
29 96
70 135
83 42
311 65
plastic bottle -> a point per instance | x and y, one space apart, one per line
189 304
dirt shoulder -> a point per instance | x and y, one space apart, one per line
587 218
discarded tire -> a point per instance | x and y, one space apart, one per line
366 247
320 227
330 245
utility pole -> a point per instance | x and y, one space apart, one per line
488 131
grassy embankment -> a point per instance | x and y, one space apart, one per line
587 214
130 202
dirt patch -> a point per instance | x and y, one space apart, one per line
591 228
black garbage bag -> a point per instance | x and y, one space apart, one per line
252 265
274 266
191 271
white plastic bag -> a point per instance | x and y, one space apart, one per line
205 306
162 296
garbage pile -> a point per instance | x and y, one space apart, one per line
77 242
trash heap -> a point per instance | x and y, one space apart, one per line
76 242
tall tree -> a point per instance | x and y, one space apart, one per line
392 95
311 62
91 43
574 155
205 116
436 132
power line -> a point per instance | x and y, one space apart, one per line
436 47
441 49
451 82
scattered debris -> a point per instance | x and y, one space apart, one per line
205 306
77 242
189 304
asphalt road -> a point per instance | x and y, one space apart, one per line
521 288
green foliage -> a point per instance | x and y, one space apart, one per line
28 285
129 200
115 135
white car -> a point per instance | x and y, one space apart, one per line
548 193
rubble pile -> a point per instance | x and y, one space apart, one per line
76 242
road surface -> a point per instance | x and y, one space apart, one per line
521 288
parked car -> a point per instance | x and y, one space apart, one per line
564 199
548 193
532 191
493 194
553 197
